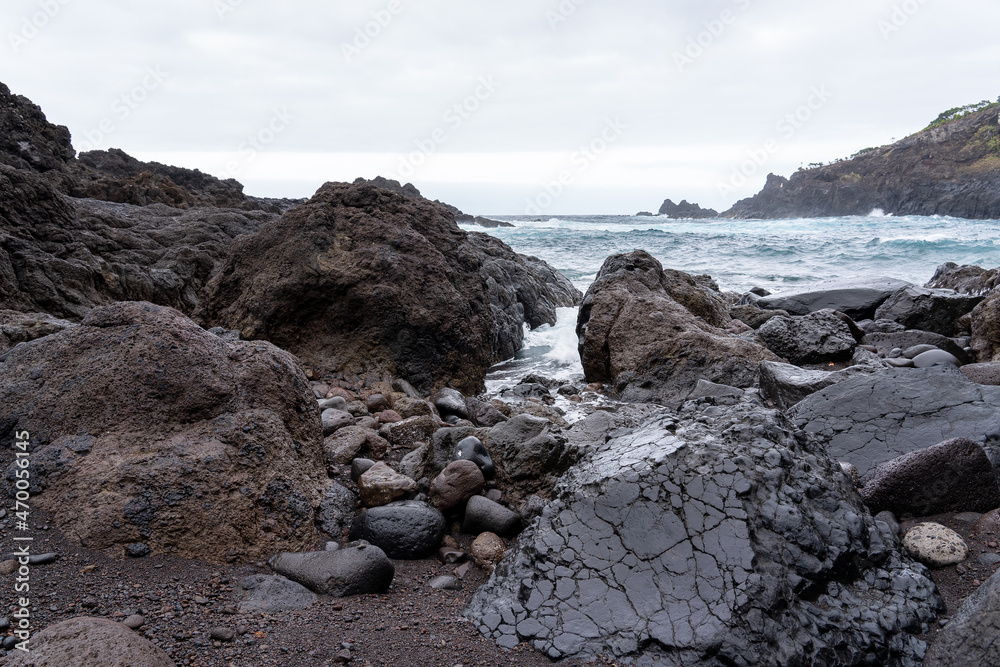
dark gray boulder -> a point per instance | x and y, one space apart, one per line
354 569
953 476
870 420
473 449
529 454
924 309
970 638
721 540
786 384
857 298
815 338
408 530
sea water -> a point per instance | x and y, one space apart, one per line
778 255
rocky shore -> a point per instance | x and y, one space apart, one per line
251 432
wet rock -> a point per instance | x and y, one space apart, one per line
191 435
354 569
815 338
935 545
933 310
719 392
473 449
721 535
450 402
89 641
360 467
271 594
857 298
380 485
870 420
953 476
457 483
483 515
482 413
409 529
786 384
969 639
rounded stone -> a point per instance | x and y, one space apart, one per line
377 403
380 485
473 449
935 358
487 550
482 515
935 545
134 622
406 530
357 568
334 419
459 481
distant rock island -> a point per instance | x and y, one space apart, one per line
952 168
685 210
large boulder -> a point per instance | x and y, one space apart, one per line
364 279
857 298
870 420
953 476
925 309
967 279
529 453
147 428
408 529
87 641
719 540
354 569
815 338
970 638
648 347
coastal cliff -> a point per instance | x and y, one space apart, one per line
951 168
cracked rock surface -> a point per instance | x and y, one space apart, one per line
870 420
717 540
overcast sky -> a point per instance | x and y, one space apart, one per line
554 106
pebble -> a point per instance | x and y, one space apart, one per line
222 634
445 583
8 567
137 550
134 622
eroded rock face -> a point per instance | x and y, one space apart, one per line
722 540
153 430
870 420
648 347
361 279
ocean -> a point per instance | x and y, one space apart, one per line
778 255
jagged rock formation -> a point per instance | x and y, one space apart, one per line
953 169
686 210
717 540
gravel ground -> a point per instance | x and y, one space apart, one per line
182 600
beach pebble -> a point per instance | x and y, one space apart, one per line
450 402
935 358
357 568
222 634
360 467
445 583
916 350
334 420
899 362
487 550
134 622
344 445
935 545
270 594
336 403
377 403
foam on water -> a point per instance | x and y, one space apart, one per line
778 255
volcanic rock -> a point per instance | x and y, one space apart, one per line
354 569
84 640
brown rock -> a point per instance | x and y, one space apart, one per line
377 403
487 550
380 485
459 481
344 446
651 348
375 447
196 443
408 407
389 417
988 373
18 327
89 641
407 433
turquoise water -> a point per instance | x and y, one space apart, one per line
778 255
